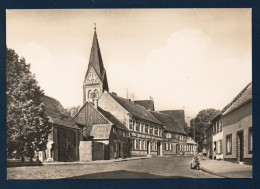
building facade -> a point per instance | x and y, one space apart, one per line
126 127
237 128
63 141
146 132
217 137
175 138
100 126
209 142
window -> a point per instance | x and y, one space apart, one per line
250 141
156 131
146 128
137 144
151 130
137 126
96 95
170 146
229 144
89 94
142 127
131 124
220 146
141 144
220 126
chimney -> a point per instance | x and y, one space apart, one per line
96 103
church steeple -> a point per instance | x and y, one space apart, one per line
95 81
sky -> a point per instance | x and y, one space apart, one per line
190 59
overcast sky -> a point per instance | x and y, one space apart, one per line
188 59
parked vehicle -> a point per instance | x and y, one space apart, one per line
195 163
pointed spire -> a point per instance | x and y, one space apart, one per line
95 61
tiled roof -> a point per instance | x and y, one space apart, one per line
169 122
177 115
147 104
112 119
243 97
101 131
135 109
57 113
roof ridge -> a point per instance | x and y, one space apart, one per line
237 97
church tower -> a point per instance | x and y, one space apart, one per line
95 81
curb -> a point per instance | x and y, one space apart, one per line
211 172
92 162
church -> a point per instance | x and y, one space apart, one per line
114 127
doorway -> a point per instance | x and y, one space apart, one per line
119 150
158 148
240 146
148 147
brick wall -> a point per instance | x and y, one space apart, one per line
85 151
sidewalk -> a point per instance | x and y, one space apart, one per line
93 162
226 169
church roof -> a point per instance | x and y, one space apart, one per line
147 104
56 113
169 123
177 115
135 109
95 61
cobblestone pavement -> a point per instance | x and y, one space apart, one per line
156 167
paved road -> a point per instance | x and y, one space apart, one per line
156 167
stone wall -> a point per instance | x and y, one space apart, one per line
85 151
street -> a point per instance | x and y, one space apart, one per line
156 167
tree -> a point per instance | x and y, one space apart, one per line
27 124
73 110
201 123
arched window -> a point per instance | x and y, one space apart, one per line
89 94
96 94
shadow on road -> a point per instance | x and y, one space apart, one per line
122 174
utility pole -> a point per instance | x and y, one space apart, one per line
194 135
